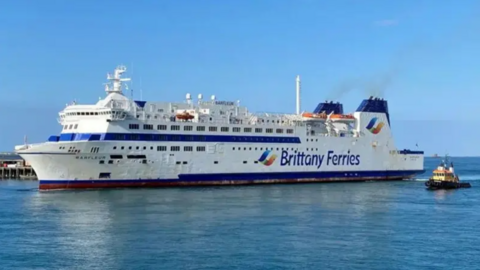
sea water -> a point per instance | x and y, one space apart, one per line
372 225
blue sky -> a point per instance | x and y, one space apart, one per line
420 55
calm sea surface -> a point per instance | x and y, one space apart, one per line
373 225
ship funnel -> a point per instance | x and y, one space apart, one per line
329 107
374 105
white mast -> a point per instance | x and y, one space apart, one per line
116 80
298 94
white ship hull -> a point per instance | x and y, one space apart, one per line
219 165
124 143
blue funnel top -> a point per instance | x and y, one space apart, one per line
328 107
374 105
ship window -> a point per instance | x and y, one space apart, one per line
71 126
136 157
148 127
188 128
289 131
76 126
200 128
175 148
101 162
212 128
161 148
185 162
133 126
188 148
201 148
144 148
247 130
269 130
258 130
162 127
178 162
114 147
224 129
236 129
175 128
96 113
244 162
279 130
122 147
215 162
151 147
110 162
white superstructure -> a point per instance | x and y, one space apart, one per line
122 142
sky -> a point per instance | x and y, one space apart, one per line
422 56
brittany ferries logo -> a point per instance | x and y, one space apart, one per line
374 129
298 158
265 160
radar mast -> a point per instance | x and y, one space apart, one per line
115 85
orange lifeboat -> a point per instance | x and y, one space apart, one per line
342 116
314 115
185 116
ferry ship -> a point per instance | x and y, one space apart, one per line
121 142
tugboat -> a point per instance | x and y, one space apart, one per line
444 177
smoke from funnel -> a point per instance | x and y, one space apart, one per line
378 84
375 86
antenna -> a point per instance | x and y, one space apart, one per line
298 93
141 89
131 90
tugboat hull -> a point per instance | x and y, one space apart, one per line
431 184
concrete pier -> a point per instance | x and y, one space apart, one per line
12 166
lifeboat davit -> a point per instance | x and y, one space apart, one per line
184 116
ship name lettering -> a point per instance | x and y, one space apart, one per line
332 159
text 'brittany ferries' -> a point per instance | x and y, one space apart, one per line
302 159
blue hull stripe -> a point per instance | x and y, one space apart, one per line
197 178
161 137
155 137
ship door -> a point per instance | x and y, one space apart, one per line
165 159
219 148
211 148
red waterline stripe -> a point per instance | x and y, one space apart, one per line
85 184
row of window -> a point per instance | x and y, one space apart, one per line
177 162
163 148
88 113
211 129
70 126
